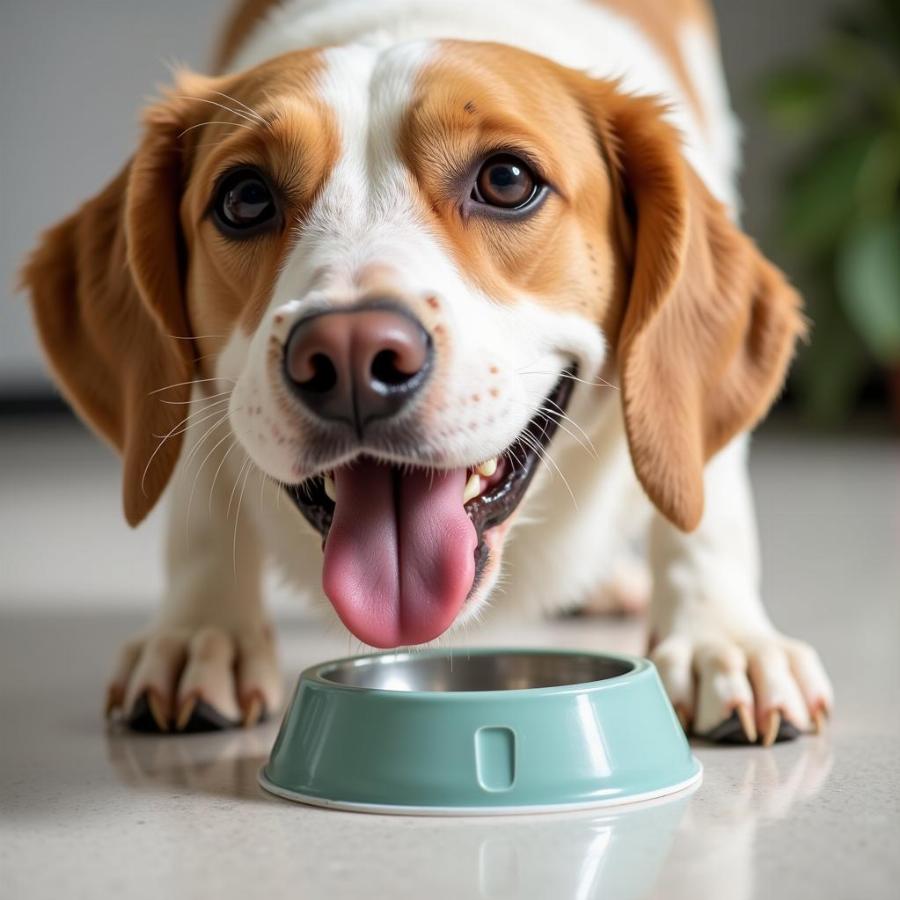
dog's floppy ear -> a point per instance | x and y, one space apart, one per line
709 325
107 295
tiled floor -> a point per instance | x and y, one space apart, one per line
87 813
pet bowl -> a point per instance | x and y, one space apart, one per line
479 732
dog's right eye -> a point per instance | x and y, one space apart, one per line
244 204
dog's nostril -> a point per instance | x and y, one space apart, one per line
386 369
324 376
357 365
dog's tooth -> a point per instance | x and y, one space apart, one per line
487 468
330 490
473 488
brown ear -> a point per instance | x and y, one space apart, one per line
709 324
106 288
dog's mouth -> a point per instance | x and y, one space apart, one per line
405 547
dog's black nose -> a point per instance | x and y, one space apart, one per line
357 365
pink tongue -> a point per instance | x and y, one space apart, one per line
400 553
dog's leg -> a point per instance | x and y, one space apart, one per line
729 673
208 661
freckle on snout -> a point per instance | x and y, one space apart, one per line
433 302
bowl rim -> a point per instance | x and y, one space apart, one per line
640 667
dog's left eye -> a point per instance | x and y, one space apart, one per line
505 182
243 203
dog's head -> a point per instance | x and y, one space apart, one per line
398 263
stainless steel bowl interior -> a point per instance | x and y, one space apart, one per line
512 671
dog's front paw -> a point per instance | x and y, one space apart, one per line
743 688
196 679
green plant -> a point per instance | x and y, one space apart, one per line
839 218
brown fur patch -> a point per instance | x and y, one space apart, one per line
709 325
471 102
137 291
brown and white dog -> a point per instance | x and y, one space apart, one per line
426 272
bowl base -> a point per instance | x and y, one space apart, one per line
394 810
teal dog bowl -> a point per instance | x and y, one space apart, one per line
479 732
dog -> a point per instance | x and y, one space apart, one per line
414 290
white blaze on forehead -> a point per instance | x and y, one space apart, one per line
366 210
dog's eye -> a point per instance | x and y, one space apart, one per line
506 182
243 203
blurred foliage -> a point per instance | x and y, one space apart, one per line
839 213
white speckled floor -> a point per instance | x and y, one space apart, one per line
86 813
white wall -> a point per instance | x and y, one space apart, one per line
74 73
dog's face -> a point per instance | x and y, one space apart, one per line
398 263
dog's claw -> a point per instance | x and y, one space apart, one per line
253 711
185 713
819 717
156 710
772 727
745 717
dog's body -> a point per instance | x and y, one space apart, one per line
362 233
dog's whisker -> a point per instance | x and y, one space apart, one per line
587 447
548 460
212 486
200 441
234 486
173 432
212 122
225 437
600 382
194 337
262 486
568 418
237 516
237 482
243 105
193 381
586 444
225 394
557 415
228 109
190 421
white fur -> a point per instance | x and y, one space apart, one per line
706 610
